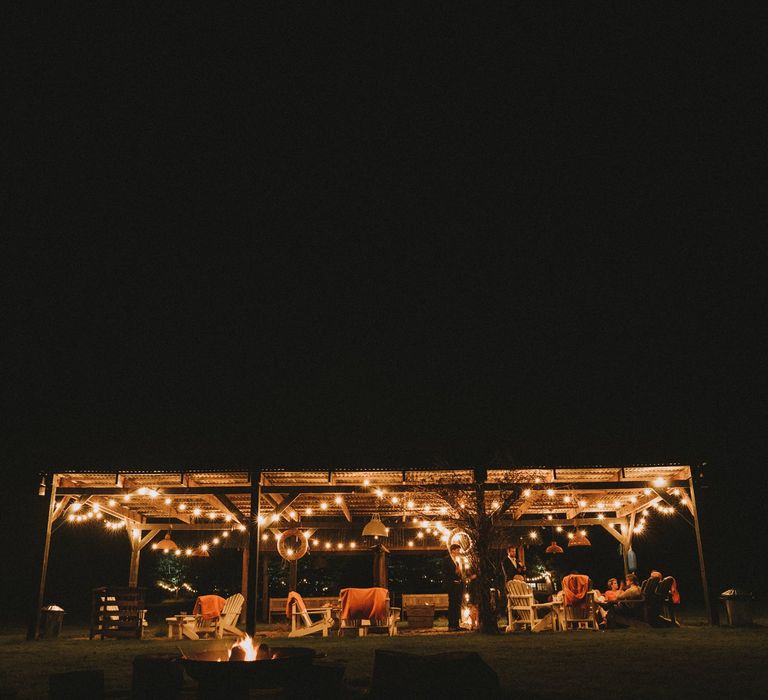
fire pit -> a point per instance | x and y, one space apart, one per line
232 672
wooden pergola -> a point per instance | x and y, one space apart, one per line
254 503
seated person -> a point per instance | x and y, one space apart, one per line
626 602
612 591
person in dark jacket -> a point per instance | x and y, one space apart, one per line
454 586
510 566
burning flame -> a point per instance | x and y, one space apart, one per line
244 650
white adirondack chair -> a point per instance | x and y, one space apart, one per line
306 621
226 622
521 609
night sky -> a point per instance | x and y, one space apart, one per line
389 237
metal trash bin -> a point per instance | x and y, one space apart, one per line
51 620
737 607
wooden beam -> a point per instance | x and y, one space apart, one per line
646 502
252 576
33 629
581 487
220 502
345 509
616 535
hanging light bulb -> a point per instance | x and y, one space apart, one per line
579 539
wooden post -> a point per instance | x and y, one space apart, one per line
252 578
265 589
33 630
293 571
712 615
244 574
134 534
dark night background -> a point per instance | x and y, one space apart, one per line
388 237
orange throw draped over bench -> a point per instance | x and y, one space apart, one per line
364 603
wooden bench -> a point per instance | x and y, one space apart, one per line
438 600
277 605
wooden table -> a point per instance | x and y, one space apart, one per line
180 626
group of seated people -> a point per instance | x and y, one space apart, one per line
628 599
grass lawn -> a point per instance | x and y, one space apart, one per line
693 662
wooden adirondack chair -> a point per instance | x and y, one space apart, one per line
225 623
522 608
306 621
581 614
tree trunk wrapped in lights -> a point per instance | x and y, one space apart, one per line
479 519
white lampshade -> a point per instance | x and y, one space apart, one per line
375 528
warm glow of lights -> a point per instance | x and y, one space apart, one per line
582 503
444 538
308 511
228 518
212 516
204 547
527 493
315 543
427 508
538 479
633 499
395 500
181 506
275 517
600 516
241 527
414 519
379 493
265 537
260 519
154 545
420 535
600 505
684 501
292 514
142 491
570 535
289 552
188 551
549 517
410 504
444 510
327 545
340 545
410 543
71 517
617 504
225 534
178 552
76 506
647 492
659 483
127 497
323 505
196 512
366 482
559 529
567 499
352 545
215 540
533 534
495 505
583 533
306 534
337 500
550 492
167 501
112 502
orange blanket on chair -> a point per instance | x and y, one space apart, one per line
575 587
364 603
209 607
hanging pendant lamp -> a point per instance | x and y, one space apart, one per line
200 552
554 548
579 540
167 544
375 528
